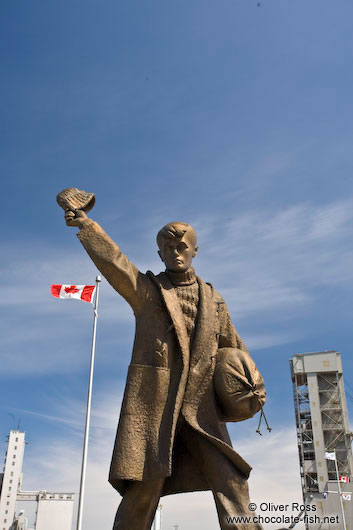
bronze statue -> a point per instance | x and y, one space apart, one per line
172 435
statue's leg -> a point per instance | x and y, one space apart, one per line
138 505
228 485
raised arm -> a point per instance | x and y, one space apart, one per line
122 275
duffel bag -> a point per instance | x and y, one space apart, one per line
238 385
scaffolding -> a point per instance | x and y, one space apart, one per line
322 427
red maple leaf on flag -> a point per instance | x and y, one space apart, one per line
71 289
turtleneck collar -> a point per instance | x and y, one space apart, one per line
182 278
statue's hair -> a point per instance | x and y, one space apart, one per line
175 230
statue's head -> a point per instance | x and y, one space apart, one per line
177 244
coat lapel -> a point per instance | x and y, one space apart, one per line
204 330
174 309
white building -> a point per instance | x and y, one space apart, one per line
11 478
157 522
54 510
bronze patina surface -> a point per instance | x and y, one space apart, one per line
73 199
172 435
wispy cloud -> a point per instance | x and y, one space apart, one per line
265 263
42 334
266 340
269 260
71 412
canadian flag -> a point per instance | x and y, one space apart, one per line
81 292
344 478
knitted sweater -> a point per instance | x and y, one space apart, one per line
187 290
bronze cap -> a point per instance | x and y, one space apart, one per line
73 199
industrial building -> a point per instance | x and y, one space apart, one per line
324 440
54 510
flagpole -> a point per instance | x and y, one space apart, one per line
88 410
340 493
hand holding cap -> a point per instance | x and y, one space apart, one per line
75 203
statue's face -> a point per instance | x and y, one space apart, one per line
177 254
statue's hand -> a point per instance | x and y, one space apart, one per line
75 218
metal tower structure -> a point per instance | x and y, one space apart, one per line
323 429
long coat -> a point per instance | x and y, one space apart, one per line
165 379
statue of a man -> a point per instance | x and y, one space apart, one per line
171 436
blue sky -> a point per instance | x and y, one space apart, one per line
234 117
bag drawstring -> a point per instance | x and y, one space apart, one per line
267 424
